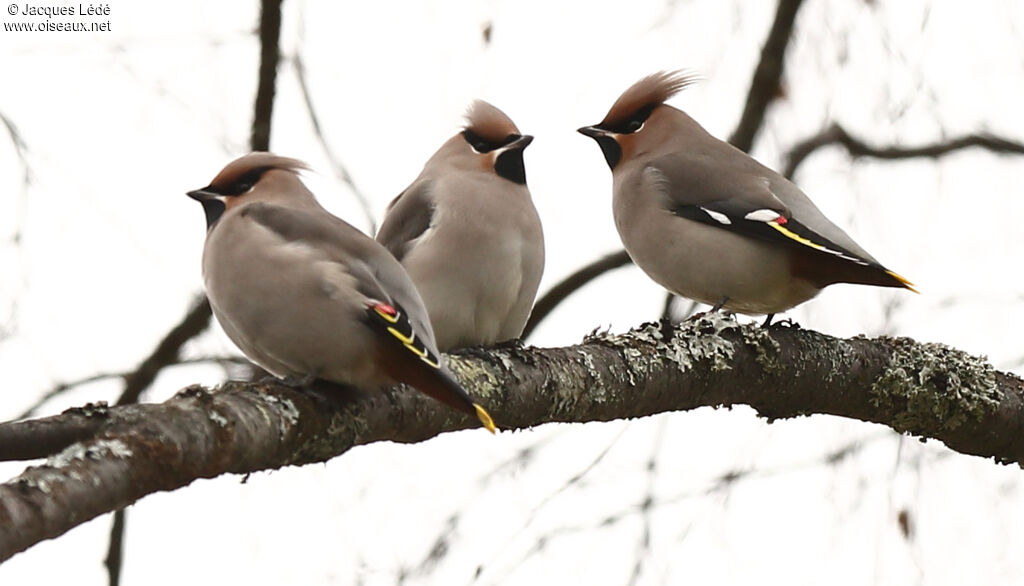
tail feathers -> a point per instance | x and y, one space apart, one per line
407 359
441 385
902 280
824 270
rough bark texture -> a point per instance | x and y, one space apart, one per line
928 390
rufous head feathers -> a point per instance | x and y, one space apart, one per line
643 96
239 178
489 123
247 169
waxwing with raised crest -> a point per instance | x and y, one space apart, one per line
469 235
706 221
305 295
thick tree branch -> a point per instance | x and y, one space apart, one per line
837 135
929 390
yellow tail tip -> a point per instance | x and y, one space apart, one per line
485 418
903 280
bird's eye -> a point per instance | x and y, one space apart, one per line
633 126
244 187
478 142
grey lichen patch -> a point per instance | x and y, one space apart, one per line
62 467
587 362
218 419
638 348
99 409
475 376
98 450
932 386
289 413
567 391
766 349
700 340
506 360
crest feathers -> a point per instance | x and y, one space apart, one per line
488 122
649 92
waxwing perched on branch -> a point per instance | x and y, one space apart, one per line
708 222
305 295
468 234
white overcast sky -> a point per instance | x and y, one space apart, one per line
118 125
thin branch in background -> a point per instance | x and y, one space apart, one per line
643 546
339 169
167 352
719 485
224 361
569 483
443 541
270 55
569 285
8 327
837 135
115 550
20 148
767 81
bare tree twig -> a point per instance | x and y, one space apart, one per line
20 147
569 285
767 81
837 135
570 482
646 506
115 549
167 352
67 386
340 171
39 438
929 390
270 55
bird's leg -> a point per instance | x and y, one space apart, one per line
718 306
293 381
768 320
714 309
510 344
668 329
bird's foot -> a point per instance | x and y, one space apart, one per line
510 344
781 324
668 329
295 382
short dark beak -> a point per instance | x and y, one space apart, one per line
213 204
520 143
592 132
202 195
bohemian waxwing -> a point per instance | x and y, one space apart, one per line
468 234
305 295
708 222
